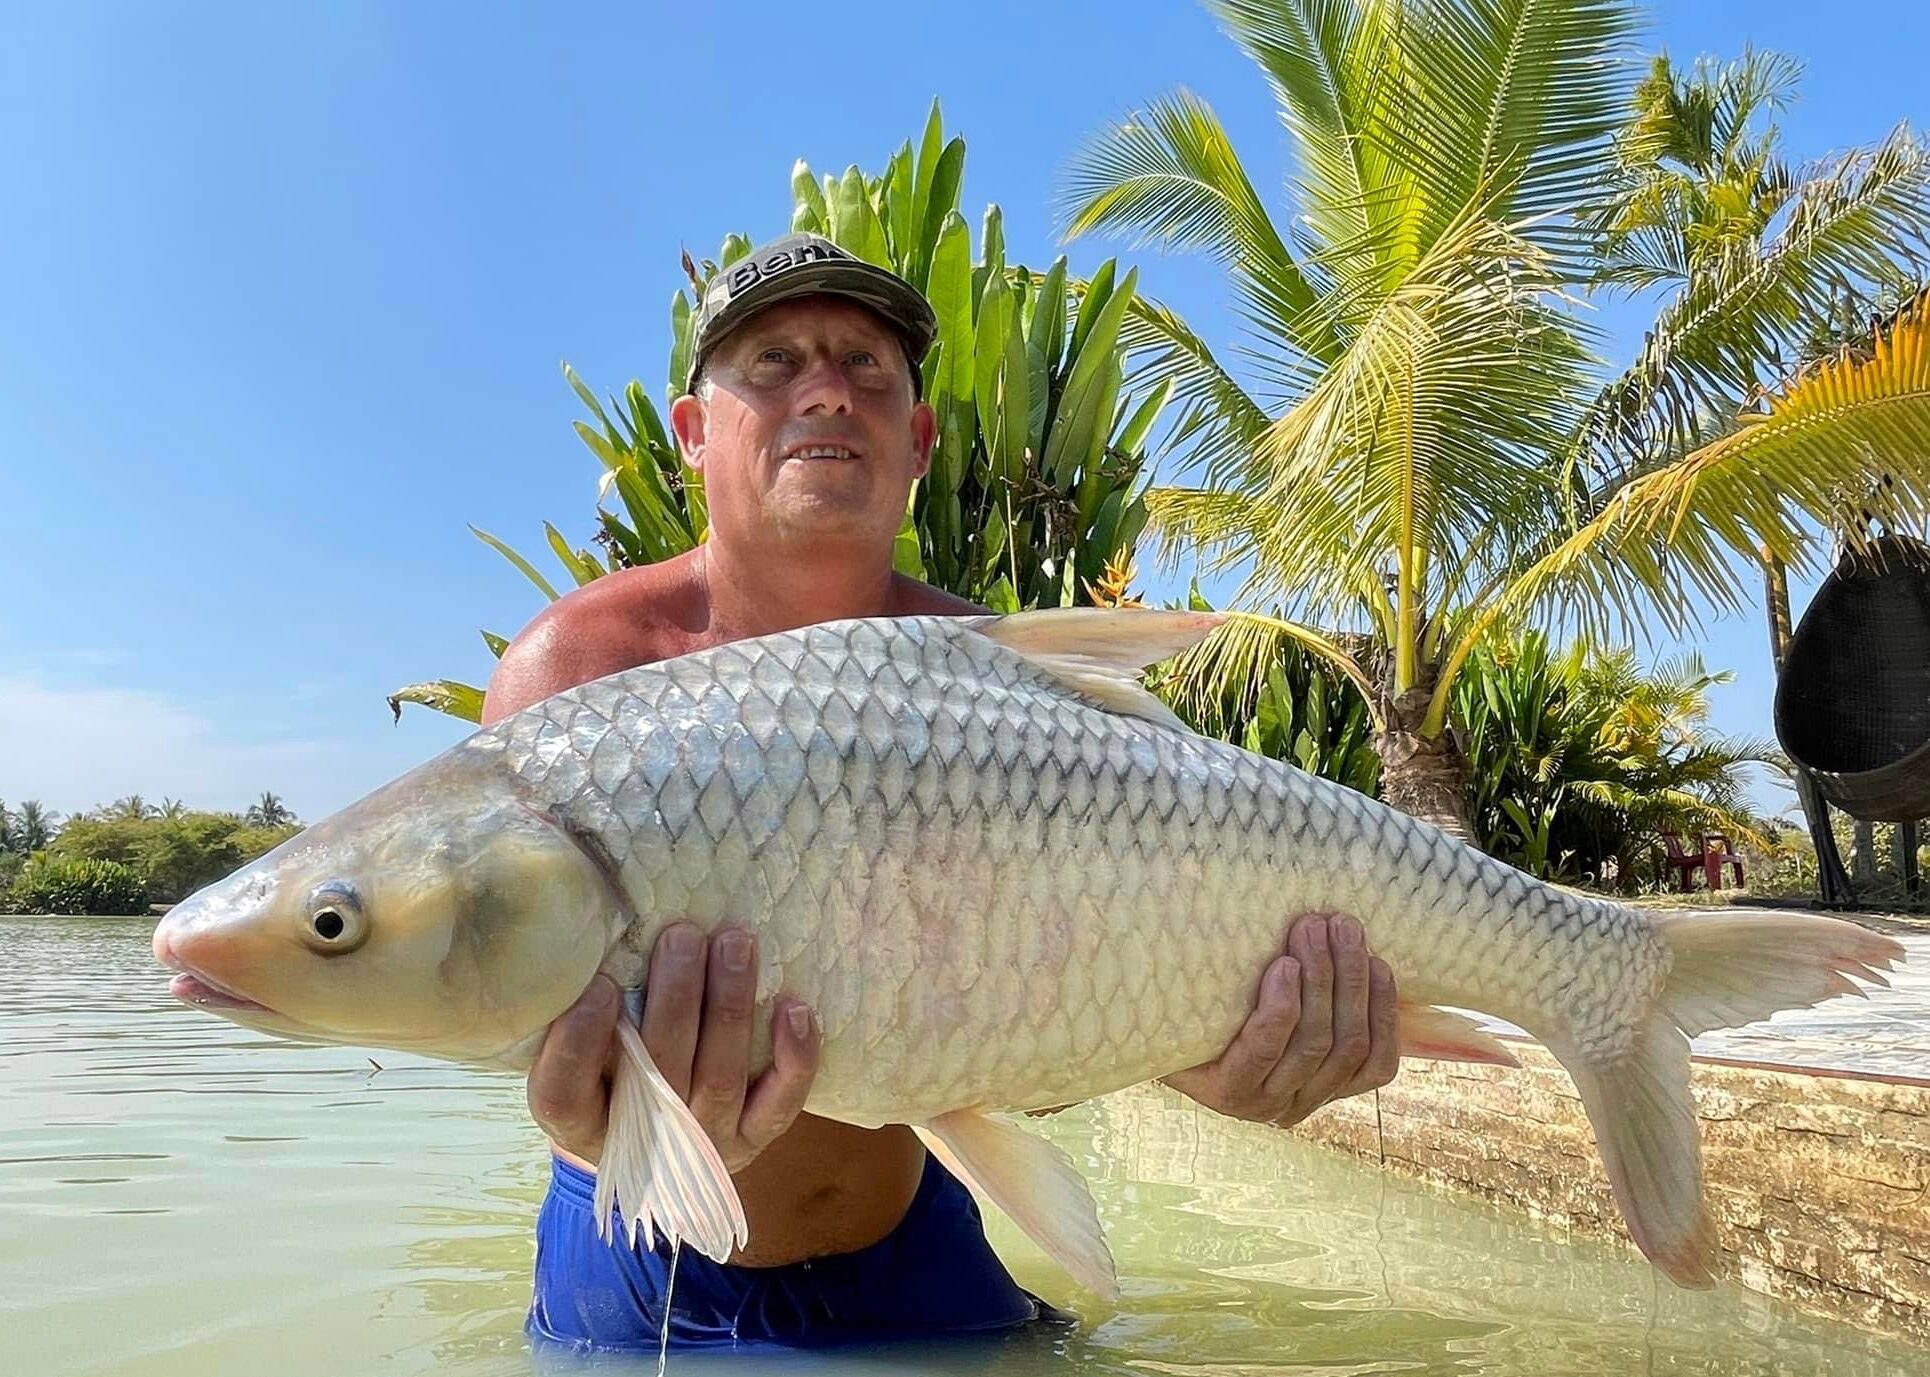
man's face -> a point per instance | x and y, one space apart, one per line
809 429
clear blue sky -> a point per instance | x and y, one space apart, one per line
286 288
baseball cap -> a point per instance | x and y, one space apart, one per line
805 265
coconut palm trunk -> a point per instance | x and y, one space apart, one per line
1423 774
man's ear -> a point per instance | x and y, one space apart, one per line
924 430
689 420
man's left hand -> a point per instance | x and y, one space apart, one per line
1323 1028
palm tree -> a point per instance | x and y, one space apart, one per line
269 811
132 807
31 829
1431 448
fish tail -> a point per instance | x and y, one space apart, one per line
1727 970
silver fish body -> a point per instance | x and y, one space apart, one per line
995 892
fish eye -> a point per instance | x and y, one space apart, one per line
335 921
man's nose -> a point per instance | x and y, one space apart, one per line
822 386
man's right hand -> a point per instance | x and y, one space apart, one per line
697 1028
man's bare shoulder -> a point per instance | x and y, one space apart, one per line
622 620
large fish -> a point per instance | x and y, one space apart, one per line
1005 877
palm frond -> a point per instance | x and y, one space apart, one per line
1852 231
1846 446
1334 67
1168 175
1429 432
1232 662
1517 102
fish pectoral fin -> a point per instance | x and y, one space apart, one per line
659 1166
1033 1183
1444 1036
1099 651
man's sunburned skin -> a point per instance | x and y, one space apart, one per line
823 1187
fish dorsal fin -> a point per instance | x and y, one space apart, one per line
1099 651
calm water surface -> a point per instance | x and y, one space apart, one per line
180 1197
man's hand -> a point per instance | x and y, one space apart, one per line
1323 1028
697 1027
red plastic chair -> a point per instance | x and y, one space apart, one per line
1686 863
1717 853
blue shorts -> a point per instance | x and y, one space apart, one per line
933 1274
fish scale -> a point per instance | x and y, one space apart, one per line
972 821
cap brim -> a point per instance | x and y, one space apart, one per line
883 292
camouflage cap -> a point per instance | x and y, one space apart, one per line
805 265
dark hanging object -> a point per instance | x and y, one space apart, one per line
1853 700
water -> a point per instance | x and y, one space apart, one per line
180 1197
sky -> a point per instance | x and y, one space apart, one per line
285 291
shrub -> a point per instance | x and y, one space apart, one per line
52 883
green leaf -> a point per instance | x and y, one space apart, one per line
646 415
941 198
682 341
950 293
806 195
991 242
529 570
925 224
1048 333
899 199
582 568
497 644
994 326
1133 434
1001 598
905 556
1090 390
1098 293
444 695
857 223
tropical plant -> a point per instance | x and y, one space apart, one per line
1580 760
27 828
268 811
1035 478
1429 448
1300 711
52 883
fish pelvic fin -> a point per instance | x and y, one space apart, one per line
1099 651
659 1167
1729 969
1033 1183
1646 1128
1440 1035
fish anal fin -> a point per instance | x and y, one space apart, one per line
1646 1128
1033 1183
1441 1035
659 1167
1099 651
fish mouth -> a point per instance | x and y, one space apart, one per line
203 993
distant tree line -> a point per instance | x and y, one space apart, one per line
125 855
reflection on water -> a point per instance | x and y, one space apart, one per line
181 1196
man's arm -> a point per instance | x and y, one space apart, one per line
701 994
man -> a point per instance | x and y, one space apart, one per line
805 418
